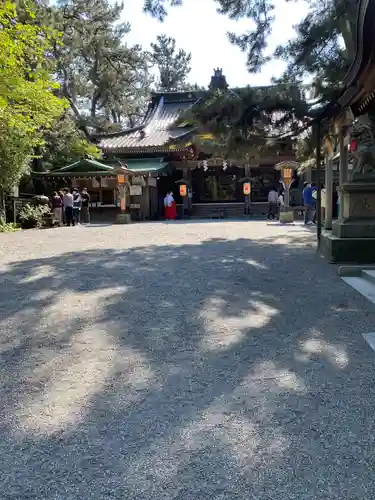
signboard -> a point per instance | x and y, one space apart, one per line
122 204
138 181
135 206
135 190
288 174
152 182
246 188
121 179
183 190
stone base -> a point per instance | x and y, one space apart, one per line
286 217
347 250
123 218
354 228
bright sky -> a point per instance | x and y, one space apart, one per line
199 29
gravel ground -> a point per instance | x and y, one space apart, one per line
184 361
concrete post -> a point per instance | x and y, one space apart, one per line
329 194
344 168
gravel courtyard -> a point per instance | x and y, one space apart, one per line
182 361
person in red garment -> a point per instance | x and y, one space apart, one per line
170 206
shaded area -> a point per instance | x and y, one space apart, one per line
223 368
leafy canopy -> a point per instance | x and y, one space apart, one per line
105 81
173 65
28 101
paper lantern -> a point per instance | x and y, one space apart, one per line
288 174
246 188
121 179
183 190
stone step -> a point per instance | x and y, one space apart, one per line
364 286
369 275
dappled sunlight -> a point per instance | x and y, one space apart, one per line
224 330
40 272
76 306
335 353
71 379
255 263
221 430
267 375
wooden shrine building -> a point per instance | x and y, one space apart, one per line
164 152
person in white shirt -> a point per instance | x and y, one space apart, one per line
68 207
272 204
323 200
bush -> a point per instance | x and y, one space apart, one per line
33 216
9 228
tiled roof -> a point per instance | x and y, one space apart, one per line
147 165
155 133
85 164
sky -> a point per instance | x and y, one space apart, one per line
199 29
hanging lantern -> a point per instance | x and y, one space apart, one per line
287 174
246 188
183 190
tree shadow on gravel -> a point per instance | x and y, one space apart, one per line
228 369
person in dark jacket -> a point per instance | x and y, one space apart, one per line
85 210
57 205
77 204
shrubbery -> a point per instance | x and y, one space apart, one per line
34 216
9 227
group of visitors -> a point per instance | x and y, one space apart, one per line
309 195
70 207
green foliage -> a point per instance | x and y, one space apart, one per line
28 104
173 65
251 122
65 144
158 8
106 81
9 227
33 216
318 51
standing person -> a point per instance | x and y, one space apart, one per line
57 205
322 201
173 206
61 194
77 204
273 200
68 206
170 206
308 202
85 206
166 206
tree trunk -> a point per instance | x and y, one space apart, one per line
3 219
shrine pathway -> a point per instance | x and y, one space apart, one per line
182 361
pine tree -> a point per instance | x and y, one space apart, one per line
104 80
173 64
